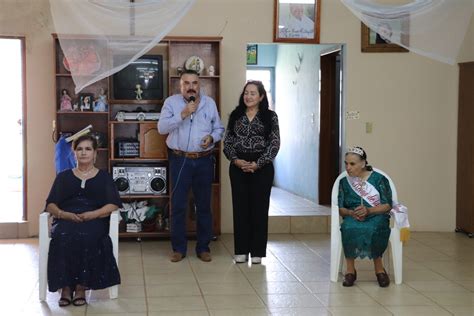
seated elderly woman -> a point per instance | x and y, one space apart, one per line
365 200
80 253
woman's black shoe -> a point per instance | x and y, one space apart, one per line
349 279
383 278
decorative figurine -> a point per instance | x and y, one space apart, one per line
100 104
211 70
86 103
160 223
138 92
65 101
179 70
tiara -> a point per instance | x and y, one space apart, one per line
355 150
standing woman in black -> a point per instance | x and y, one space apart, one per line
252 142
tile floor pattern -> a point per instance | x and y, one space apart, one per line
284 203
293 280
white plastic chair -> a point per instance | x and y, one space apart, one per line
396 245
44 240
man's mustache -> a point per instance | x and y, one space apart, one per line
191 91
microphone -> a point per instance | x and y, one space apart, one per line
192 99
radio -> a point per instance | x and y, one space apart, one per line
140 180
127 149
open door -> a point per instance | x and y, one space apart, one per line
330 124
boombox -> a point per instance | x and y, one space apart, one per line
140 179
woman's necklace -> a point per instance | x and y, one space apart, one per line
84 175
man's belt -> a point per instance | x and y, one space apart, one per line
192 155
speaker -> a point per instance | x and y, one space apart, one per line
140 180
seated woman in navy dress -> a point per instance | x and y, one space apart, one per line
365 200
80 253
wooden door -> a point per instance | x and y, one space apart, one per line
329 135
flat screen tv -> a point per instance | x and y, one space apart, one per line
146 71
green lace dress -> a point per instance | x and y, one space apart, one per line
368 238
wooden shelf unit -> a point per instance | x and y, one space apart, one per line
175 51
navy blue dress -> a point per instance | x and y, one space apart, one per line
82 253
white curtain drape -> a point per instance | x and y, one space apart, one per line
117 32
432 28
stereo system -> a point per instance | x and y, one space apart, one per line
128 149
140 180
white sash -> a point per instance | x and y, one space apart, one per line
370 195
365 190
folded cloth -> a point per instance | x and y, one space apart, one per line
400 214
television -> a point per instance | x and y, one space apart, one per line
147 71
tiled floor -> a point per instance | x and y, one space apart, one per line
293 280
283 203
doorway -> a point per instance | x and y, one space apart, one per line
300 79
12 83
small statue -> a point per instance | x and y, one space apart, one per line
65 101
160 224
138 92
179 70
211 70
86 103
100 104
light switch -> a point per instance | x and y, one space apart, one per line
368 127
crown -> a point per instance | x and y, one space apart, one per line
355 150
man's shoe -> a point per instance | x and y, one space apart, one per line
349 279
205 256
240 258
176 257
256 260
383 278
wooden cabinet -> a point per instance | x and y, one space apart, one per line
139 138
465 163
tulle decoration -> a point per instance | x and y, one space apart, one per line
101 37
432 28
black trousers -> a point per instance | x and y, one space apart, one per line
250 200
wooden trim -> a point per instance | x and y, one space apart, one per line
24 121
366 47
317 26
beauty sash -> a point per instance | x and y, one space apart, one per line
369 194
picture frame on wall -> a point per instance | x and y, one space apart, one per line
296 21
252 54
379 41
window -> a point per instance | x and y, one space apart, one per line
266 76
12 91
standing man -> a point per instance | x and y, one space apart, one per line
193 124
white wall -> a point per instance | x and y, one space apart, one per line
411 100
297 106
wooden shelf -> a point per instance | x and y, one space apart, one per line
175 51
135 102
131 196
200 77
144 234
132 122
81 113
137 160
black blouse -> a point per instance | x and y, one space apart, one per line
249 138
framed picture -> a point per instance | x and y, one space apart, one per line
252 51
296 21
86 101
379 42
